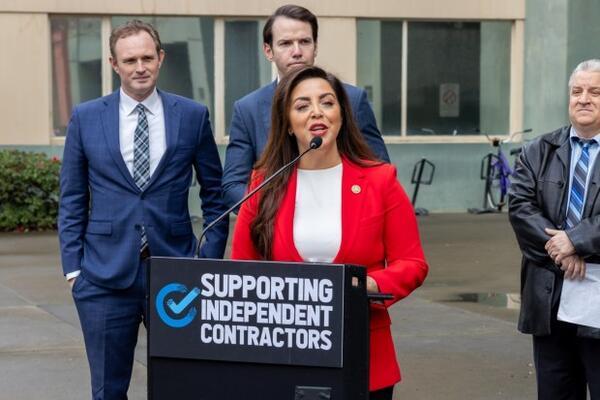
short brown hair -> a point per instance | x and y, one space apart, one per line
131 28
290 11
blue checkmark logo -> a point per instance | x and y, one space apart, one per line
180 318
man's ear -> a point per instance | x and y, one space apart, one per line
268 51
113 64
161 57
316 48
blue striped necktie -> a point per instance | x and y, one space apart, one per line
141 159
579 179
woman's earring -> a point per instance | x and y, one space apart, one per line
291 133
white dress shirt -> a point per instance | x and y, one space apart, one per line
318 214
128 119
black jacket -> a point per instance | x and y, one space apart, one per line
538 199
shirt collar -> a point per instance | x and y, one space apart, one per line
575 137
151 103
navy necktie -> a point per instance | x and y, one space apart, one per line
578 184
141 159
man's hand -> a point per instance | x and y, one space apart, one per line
71 282
559 246
574 267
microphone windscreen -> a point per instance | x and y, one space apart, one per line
316 142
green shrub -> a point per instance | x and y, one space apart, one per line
29 190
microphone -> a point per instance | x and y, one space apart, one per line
315 143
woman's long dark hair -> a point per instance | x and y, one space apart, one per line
282 148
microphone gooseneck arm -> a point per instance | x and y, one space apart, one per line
315 143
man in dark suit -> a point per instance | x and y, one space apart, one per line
289 41
555 212
126 172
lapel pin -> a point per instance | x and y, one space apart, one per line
356 189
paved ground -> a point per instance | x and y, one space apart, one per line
455 337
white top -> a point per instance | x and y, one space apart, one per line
128 119
318 214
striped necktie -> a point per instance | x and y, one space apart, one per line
141 159
579 179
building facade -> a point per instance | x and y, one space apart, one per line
440 74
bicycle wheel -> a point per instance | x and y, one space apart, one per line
496 197
496 185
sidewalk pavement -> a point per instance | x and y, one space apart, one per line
455 337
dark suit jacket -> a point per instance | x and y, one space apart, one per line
102 209
379 231
538 199
250 126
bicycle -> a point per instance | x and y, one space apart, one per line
496 171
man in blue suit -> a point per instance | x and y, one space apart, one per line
126 172
289 41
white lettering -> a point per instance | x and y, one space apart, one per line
207 289
325 290
248 286
203 333
325 338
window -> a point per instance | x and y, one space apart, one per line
76 65
246 68
199 52
379 71
188 69
436 78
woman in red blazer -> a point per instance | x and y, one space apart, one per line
378 228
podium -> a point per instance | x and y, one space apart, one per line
249 330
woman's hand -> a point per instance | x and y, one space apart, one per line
372 285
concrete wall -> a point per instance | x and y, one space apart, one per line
333 54
546 33
443 9
24 79
584 31
559 35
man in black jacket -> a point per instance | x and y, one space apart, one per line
555 213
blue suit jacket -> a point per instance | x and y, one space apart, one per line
102 209
250 126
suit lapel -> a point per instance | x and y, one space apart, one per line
265 105
563 153
172 116
110 127
353 195
593 188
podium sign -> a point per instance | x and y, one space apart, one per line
254 321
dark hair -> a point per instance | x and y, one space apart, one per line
291 11
282 148
131 28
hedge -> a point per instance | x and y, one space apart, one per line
29 191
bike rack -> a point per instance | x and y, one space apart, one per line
485 172
417 179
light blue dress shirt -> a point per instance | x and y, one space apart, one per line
575 154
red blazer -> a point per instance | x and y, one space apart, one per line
379 231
